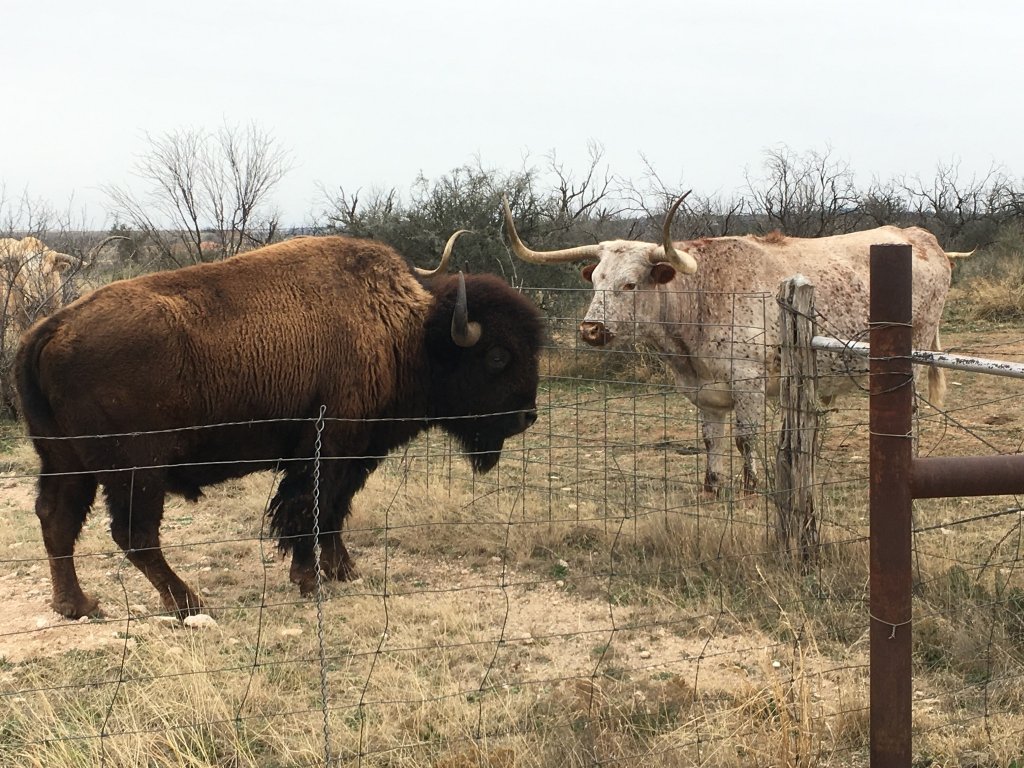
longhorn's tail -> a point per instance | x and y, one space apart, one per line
33 403
936 377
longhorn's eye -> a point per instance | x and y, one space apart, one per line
629 287
497 359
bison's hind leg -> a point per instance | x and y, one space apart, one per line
136 502
61 506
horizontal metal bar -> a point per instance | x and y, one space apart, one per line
937 477
938 359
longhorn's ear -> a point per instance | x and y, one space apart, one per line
588 272
662 273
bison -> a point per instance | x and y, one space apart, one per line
174 381
708 307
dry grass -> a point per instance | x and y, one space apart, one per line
585 604
990 299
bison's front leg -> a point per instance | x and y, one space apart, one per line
334 558
292 519
335 562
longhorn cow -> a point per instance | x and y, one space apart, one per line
708 306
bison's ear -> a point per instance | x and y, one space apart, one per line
662 273
588 272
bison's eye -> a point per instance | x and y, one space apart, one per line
497 359
629 287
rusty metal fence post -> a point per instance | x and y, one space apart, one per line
897 478
891 456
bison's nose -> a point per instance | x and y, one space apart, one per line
527 418
595 334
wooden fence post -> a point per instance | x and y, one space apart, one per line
798 396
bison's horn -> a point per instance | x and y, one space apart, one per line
543 257
464 333
683 262
441 268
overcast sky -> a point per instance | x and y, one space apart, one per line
370 94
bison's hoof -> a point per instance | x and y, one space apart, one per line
346 572
76 607
185 605
307 586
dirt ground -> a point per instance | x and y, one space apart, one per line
564 628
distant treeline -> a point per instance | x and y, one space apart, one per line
808 194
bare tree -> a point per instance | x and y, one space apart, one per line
584 198
809 195
699 216
207 194
950 206
885 203
360 214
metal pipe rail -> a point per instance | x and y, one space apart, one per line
924 357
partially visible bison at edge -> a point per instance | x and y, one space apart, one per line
272 334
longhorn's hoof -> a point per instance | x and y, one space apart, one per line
76 607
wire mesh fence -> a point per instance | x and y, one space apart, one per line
587 602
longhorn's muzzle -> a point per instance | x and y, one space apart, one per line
595 334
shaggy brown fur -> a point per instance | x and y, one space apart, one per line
263 339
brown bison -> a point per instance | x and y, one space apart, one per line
177 380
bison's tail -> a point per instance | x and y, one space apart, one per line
936 377
33 403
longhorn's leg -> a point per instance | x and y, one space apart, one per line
714 427
61 506
136 509
749 417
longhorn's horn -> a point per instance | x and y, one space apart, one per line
683 262
543 257
95 251
960 254
62 261
441 268
464 333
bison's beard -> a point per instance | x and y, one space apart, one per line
483 452
483 438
